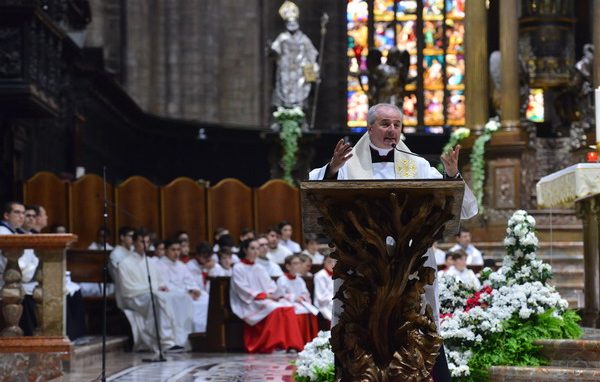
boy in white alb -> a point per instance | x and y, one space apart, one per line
269 321
324 288
460 271
177 277
294 289
224 267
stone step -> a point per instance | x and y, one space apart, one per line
591 333
89 350
571 353
543 374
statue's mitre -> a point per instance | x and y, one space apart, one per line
289 11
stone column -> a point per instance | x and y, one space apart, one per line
12 294
588 210
476 60
509 50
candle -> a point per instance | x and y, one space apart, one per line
592 157
597 102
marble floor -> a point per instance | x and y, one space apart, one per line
185 367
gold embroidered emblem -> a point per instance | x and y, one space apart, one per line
406 169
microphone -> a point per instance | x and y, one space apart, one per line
405 152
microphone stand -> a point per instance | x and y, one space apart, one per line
104 276
160 358
404 151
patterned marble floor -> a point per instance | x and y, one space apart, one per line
187 367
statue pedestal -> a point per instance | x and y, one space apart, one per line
382 230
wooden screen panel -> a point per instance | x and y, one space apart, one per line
183 207
86 209
48 191
137 204
276 201
230 206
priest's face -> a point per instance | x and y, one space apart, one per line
16 216
141 244
386 128
173 251
286 232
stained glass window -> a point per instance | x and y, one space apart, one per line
432 32
535 105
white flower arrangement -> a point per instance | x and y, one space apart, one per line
316 362
517 289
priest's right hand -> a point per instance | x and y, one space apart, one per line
341 154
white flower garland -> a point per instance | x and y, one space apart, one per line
317 355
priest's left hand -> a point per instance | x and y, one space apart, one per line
450 161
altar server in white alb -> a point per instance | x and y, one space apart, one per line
178 279
374 157
174 310
324 288
294 289
270 321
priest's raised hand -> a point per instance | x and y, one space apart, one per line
450 161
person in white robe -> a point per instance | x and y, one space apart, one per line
121 250
293 287
440 256
224 267
173 309
285 237
270 321
460 271
177 278
324 288
101 236
374 157
312 249
272 268
277 251
463 242
200 267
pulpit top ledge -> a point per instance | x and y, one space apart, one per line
415 189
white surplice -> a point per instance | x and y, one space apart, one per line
405 166
173 309
292 288
279 254
272 268
324 293
200 274
247 282
317 258
177 277
466 276
219 271
474 256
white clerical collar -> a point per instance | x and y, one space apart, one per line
382 152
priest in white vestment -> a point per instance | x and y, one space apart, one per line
177 277
270 322
173 309
373 157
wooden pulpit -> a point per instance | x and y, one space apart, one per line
381 230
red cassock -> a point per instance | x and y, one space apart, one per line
293 287
268 325
278 331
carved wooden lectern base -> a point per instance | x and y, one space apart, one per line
384 332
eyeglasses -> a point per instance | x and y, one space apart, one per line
30 215
264 245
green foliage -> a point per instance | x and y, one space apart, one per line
289 121
455 138
514 346
322 375
478 168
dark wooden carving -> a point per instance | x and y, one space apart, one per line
381 334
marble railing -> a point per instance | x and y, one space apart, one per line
49 294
